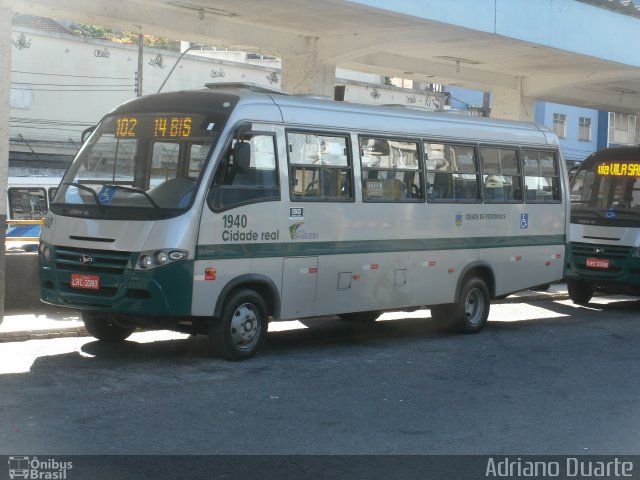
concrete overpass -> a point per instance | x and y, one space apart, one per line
580 52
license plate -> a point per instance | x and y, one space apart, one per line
79 280
597 263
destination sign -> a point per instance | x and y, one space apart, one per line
160 126
619 169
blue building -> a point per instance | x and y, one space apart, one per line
581 131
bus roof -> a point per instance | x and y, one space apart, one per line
310 111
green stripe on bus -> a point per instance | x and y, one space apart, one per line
293 249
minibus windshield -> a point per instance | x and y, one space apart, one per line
608 191
137 166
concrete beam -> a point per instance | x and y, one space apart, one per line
163 21
560 24
338 48
462 75
511 104
303 72
540 85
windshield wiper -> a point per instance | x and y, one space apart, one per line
135 190
86 189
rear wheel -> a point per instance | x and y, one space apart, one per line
242 328
579 292
469 313
102 326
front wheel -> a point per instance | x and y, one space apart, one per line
469 313
242 328
579 292
102 326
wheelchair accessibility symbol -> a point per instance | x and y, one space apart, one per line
524 220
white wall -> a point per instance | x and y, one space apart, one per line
62 84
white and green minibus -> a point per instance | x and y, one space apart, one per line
219 210
604 254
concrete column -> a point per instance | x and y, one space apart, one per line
302 72
636 141
511 104
5 99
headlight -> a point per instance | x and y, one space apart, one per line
146 261
45 251
161 258
158 258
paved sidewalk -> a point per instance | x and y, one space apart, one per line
47 321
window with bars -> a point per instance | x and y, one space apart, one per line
560 125
584 129
622 128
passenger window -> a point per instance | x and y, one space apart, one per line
320 167
541 176
452 173
390 170
27 203
501 175
247 172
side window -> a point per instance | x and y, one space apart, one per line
319 167
390 170
27 203
246 173
582 187
197 156
452 173
541 176
501 175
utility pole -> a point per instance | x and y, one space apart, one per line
486 104
140 65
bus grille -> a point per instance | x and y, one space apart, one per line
102 261
616 254
608 251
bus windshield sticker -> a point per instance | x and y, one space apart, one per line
106 194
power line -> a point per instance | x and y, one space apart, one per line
69 75
75 90
71 84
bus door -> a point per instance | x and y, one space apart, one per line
299 281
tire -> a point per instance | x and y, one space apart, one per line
469 313
361 317
579 292
242 328
100 326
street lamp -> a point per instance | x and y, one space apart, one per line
197 45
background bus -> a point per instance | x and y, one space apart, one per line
28 200
605 225
216 211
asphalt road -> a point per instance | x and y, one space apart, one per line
547 377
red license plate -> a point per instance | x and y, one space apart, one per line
597 263
79 280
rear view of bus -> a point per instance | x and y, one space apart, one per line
605 225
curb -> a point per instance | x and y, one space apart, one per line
23 336
533 298
71 332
